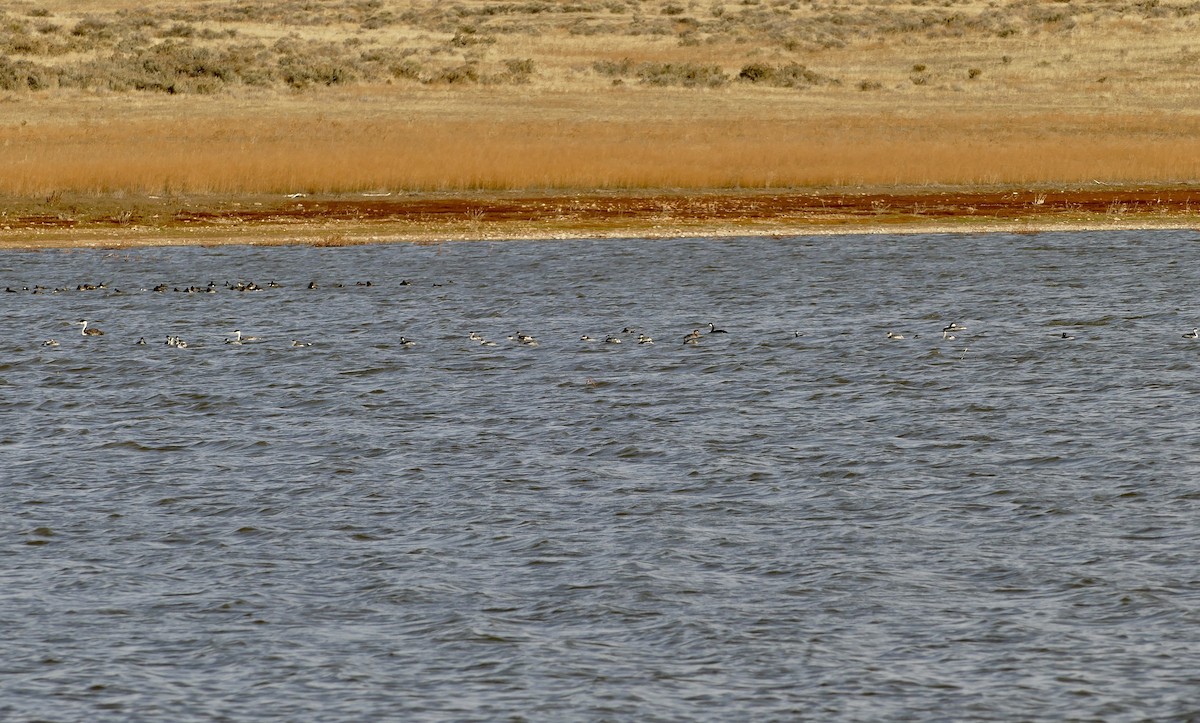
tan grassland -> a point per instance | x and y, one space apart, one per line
126 122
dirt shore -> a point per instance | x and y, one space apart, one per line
60 222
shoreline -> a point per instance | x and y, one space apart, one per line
429 217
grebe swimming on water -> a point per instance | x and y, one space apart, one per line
239 339
712 329
84 330
1193 334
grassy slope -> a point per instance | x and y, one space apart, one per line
355 96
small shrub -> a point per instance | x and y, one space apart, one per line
250 63
613 68
23 45
974 73
757 73
179 30
792 75
377 21
22 75
468 36
92 28
519 70
407 69
301 73
458 75
687 75
865 85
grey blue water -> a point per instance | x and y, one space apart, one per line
798 519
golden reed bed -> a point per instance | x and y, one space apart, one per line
188 120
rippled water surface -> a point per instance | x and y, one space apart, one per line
759 526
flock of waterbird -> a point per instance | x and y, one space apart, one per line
520 338
948 333
174 340
237 338
691 338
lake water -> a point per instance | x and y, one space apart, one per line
762 525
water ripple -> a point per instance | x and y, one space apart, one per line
801 518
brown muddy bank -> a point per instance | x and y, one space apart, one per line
429 217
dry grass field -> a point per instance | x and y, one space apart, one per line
107 102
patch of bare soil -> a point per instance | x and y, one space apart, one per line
430 217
